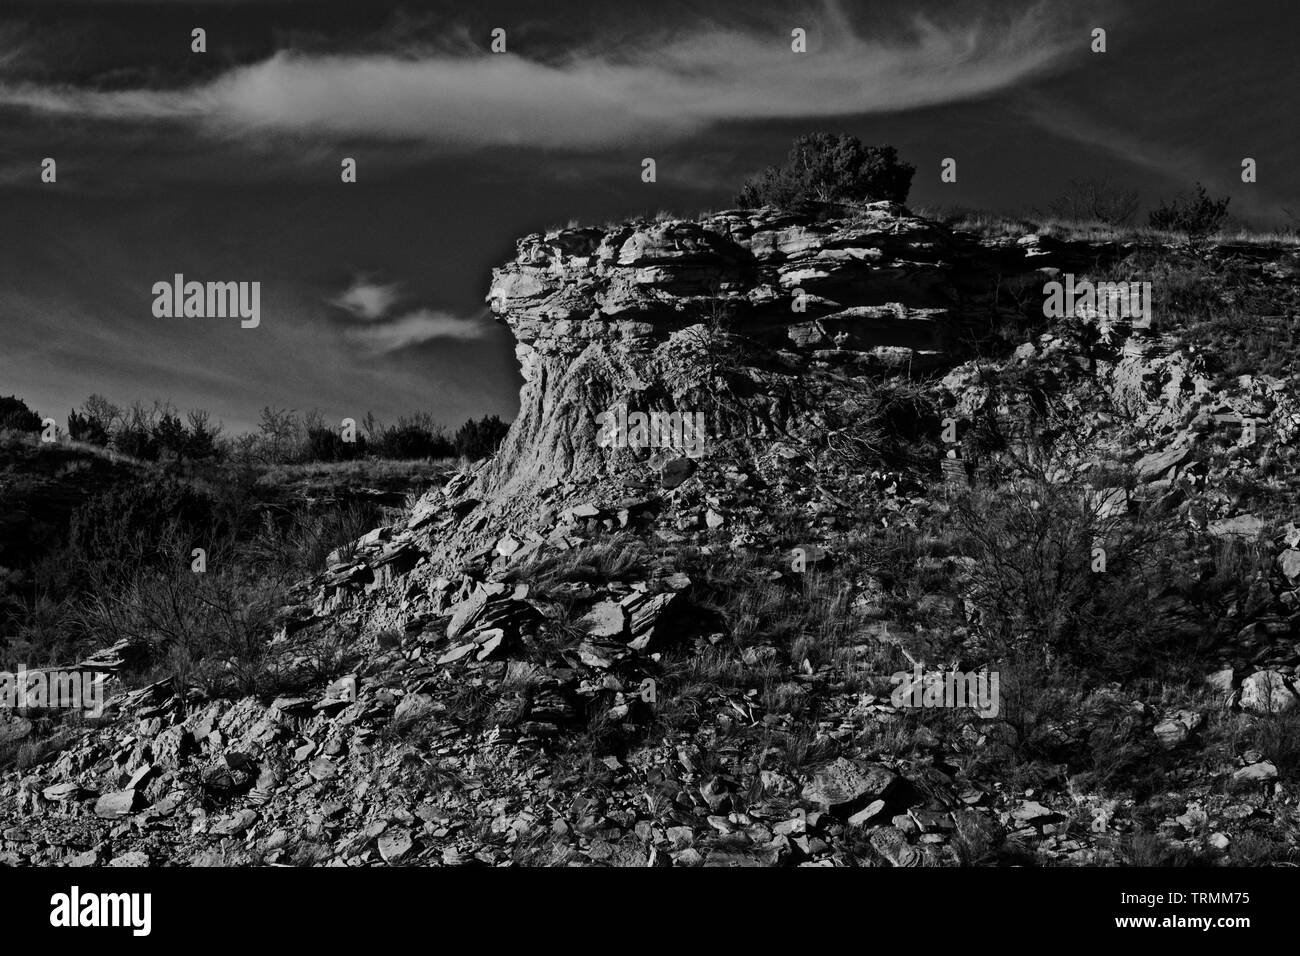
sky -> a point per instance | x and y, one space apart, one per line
225 165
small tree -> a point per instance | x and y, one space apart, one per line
326 444
1096 200
169 434
415 437
102 412
95 421
280 428
135 433
201 441
372 428
825 167
1196 215
478 439
127 523
16 416
85 429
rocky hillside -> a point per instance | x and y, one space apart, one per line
596 654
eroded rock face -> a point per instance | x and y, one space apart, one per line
649 314
640 281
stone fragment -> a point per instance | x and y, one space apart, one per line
1267 692
843 784
119 804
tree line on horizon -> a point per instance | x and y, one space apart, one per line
158 432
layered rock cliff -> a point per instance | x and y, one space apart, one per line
649 315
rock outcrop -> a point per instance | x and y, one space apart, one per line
500 653
648 315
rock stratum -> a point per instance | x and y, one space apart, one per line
640 314
575 654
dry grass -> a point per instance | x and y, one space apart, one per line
363 470
992 224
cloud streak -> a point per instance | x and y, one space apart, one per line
414 328
379 332
592 99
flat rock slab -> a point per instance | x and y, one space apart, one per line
119 804
322 768
395 844
607 619
1157 463
891 843
1242 526
842 784
61 791
234 824
1261 772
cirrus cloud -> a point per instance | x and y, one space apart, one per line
595 97
380 332
415 328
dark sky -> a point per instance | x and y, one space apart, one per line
224 166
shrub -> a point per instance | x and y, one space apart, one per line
326 444
201 439
128 523
101 410
1040 601
1196 215
135 433
416 437
95 422
825 167
85 429
16 416
890 422
1097 200
281 431
298 542
39 632
137 443
169 434
210 630
478 439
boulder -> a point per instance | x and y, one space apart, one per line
121 803
1242 526
1267 692
846 785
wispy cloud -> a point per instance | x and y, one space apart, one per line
415 328
368 300
379 331
596 97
